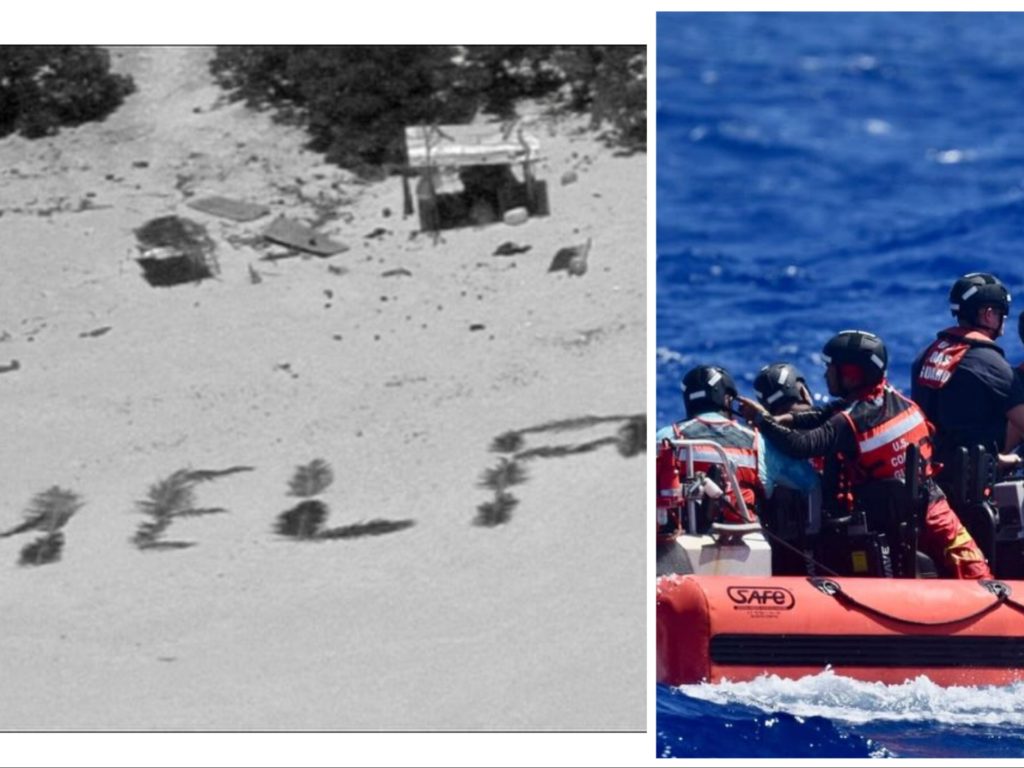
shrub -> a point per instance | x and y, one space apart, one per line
356 100
45 87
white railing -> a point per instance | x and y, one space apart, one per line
695 488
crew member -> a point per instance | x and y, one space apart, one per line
707 392
869 434
963 382
782 389
793 522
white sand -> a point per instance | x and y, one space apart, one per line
537 624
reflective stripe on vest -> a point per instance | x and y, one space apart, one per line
883 430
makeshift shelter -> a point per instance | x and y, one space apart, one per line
466 173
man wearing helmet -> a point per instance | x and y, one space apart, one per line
707 393
782 389
869 430
962 380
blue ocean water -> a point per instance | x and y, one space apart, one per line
819 172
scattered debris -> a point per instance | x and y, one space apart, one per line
287 368
336 270
508 248
572 259
140 164
570 177
236 210
297 235
254 277
399 272
12 366
94 333
515 216
175 250
378 232
477 327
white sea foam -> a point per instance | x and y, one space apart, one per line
844 699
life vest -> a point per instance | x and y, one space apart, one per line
884 424
941 359
740 446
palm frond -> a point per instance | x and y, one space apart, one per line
498 512
199 511
53 507
45 549
202 475
302 521
508 472
375 527
311 479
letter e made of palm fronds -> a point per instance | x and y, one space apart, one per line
167 500
48 512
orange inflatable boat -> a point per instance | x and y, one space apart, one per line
714 628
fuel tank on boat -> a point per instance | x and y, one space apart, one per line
714 628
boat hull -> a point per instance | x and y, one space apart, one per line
715 628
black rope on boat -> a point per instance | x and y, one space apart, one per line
1003 592
999 590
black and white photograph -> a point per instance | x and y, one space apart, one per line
323 374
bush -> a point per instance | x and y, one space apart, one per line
356 100
45 87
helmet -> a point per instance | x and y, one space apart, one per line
705 388
859 348
971 292
778 384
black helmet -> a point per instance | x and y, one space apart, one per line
976 290
778 384
860 348
705 388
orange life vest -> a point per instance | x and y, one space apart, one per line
941 359
884 425
740 446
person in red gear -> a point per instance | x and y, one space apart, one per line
869 428
708 391
962 380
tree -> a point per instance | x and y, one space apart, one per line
45 87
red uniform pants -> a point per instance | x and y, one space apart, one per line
945 540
